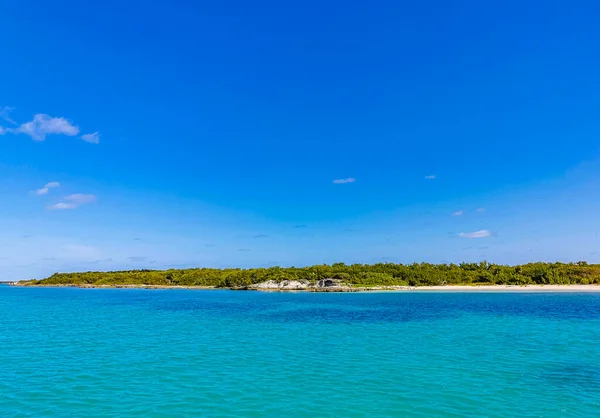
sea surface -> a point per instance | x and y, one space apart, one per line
163 353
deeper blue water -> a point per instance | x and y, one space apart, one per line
162 353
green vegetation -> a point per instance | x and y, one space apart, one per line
359 275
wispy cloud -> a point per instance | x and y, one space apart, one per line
5 112
44 190
258 236
81 199
22 266
93 138
458 213
137 258
430 177
484 233
244 249
62 206
103 260
74 201
344 181
43 125
480 209
300 226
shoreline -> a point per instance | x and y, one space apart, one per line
584 288
589 288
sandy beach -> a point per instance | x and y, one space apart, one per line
497 288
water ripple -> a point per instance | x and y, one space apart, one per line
104 353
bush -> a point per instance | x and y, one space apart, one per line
381 274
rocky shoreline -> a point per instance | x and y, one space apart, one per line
332 285
320 285
326 285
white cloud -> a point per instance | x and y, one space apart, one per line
484 233
73 201
480 209
80 199
93 138
43 125
4 114
458 213
430 177
344 181
62 206
44 190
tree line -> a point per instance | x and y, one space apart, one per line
360 275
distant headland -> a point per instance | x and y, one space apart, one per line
340 277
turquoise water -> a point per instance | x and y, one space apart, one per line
161 353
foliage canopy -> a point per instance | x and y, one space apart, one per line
361 275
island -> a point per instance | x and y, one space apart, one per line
340 277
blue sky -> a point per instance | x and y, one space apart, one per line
177 134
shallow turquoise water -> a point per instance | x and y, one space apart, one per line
160 353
